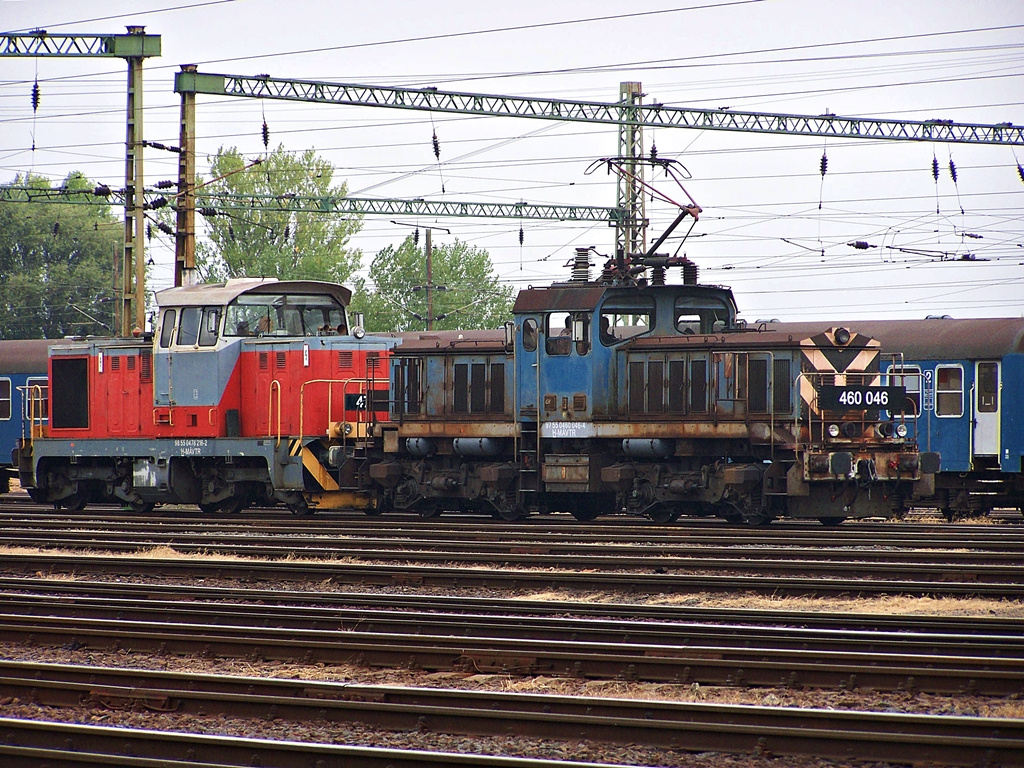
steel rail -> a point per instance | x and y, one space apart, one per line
494 624
665 724
706 665
934 562
30 744
977 627
550 528
518 579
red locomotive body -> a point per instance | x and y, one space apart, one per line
231 401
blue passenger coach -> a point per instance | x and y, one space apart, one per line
965 379
22 365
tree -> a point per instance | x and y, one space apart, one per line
472 296
57 264
262 242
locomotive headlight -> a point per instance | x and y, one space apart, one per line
833 430
901 430
842 337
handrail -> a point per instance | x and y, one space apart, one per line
274 384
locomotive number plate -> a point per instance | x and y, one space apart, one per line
853 397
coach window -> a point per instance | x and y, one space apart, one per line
5 399
38 399
988 387
167 328
908 377
949 391
188 328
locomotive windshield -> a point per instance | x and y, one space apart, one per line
695 315
625 318
284 315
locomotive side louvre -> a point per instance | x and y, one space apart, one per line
452 441
212 411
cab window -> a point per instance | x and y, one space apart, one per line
188 328
167 328
625 319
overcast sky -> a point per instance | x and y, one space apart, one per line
773 228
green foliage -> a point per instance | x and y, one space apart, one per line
57 264
473 297
262 242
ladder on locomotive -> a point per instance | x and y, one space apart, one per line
529 460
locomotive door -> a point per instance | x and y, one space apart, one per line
986 408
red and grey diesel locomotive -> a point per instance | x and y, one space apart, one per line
625 393
246 393
632 394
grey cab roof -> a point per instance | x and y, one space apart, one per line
219 294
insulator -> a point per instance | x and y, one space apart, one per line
266 135
149 231
231 232
581 266
935 168
416 236
165 228
56 228
101 191
437 146
35 96
1020 172
654 151
287 231
165 184
208 212
520 234
824 164
158 202
952 169
689 273
658 275
860 245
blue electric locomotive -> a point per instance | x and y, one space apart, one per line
631 394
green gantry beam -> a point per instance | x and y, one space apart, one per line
114 46
653 115
352 206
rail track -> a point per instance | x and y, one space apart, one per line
775 578
418 605
698 727
788 657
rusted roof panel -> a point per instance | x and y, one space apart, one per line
451 341
24 355
574 298
937 339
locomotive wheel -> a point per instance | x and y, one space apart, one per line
75 502
585 515
301 509
831 522
511 514
661 514
429 510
